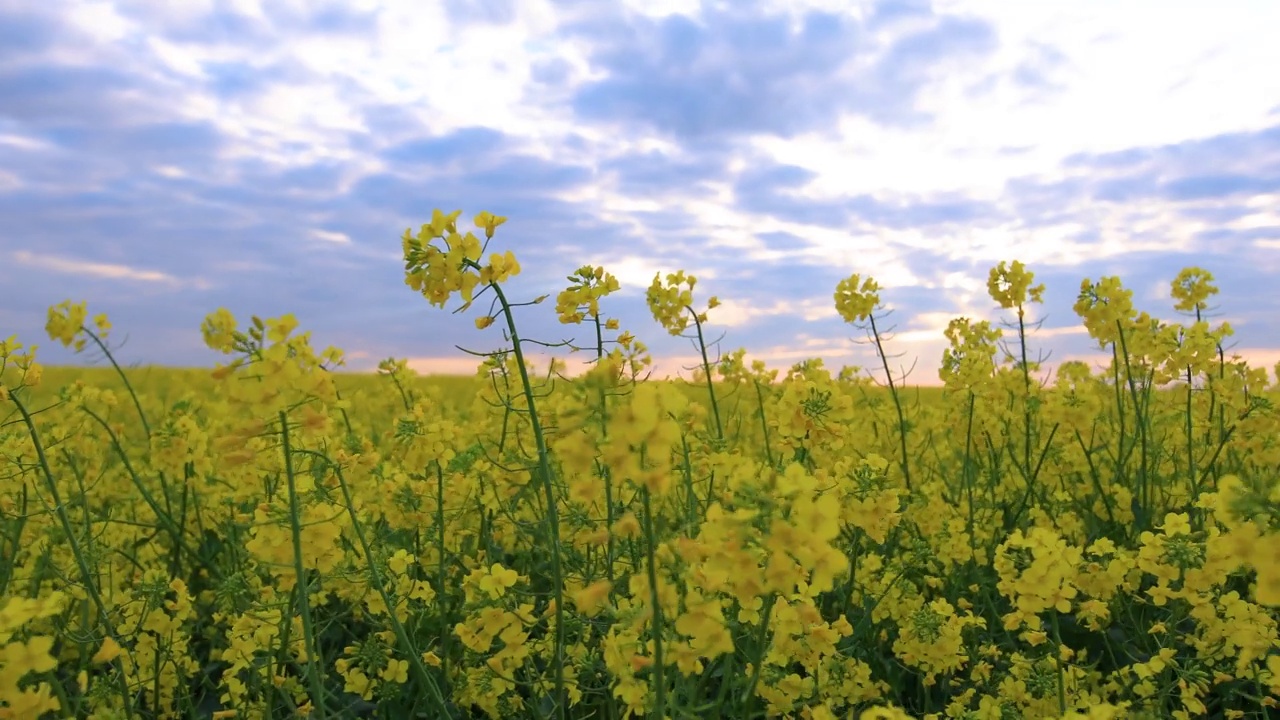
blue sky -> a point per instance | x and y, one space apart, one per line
161 160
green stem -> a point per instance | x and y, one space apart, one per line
706 371
1057 658
301 585
764 422
603 469
967 468
659 674
1193 479
897 403
1140 422
146 427
444 637
548 486
1026 388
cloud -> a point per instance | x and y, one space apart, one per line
496 12
331 237
726 74
465 144
163 160
101 270
24 33
656 171
1199 187
916 58
772 191
1037 70
887 13
58 95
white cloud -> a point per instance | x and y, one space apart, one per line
108 271
183 59
331 237
23 142
1127 81
739 311
100 21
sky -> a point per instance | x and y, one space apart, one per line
162 160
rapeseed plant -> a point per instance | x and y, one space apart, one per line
276 539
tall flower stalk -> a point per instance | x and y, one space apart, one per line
856 300
439 273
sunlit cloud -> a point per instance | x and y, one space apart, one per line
331 237
93 269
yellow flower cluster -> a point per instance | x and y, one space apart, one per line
969 362
1105 306
1037 573
582 298
856 298
439 273
24 656
1010 285
671 302
65 324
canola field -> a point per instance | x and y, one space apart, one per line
277 538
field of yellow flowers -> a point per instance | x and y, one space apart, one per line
276 539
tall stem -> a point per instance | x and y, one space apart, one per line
659 670
127 386
897 403
553 514
1026 389
314 660
706 371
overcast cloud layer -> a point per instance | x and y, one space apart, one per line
161 160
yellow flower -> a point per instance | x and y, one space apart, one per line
885 713
109 651
440 223
593 598
219 330
1266 560
1011 285
500 267
488 221
1177 524
484 322
857 298
396 671
34 655
1103 306
66 324
497 580
279 329
627 526
1192 289
669 304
